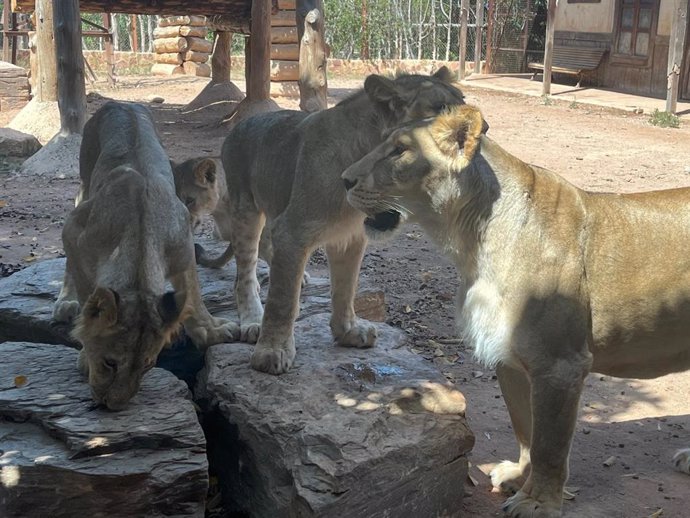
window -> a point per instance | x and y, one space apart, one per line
636 25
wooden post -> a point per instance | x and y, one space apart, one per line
489 37
259 77
364 42
462 43
548 48
133 33
220 59
109 49
70 66
5 25
46 82
675 53
313 55
479 30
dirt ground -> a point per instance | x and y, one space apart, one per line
639 423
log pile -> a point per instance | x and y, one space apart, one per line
284 51
14 86
181 46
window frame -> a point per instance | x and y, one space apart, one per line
628 59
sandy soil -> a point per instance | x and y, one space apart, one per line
640 423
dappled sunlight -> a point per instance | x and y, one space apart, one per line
428 396
96 442
9 476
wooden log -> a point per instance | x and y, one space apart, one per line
196 69
182 20
548 47
199 45
284 35
197 32
197 57
165 69
284 70
285 89
677 42
479 9
46 83
287 52
259 77
172 58
313 54
226 23
287 4
170 31
109 49
165 45
220 61
462 43
284 19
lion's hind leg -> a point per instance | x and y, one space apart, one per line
508 477
681 460
344 263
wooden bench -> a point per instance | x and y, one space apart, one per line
575 61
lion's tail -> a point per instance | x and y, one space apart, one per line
203 259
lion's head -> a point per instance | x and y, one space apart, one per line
122 335
196 185
415 168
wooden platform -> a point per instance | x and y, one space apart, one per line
14 86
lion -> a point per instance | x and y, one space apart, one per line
555 281
284 167
128 234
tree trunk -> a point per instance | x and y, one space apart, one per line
220 60
70 66
46 82
313 55
259 78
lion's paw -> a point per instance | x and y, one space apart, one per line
507 477
681 460
273 360
218 331
361 334
521 505
250 332
65 311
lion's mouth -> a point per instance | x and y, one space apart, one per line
384 221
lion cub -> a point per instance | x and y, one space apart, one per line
127 236
555 282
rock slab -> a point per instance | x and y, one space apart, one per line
18 144
347 433
60 456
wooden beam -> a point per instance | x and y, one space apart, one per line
5 25
313 55
235 9
46 82
675 53
70 66
462 44
548 48
109 49
479 31
259 77
220 60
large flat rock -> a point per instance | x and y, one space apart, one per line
346 433
60 456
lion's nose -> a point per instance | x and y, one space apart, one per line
349 184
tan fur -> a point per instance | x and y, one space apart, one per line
284 167
129 234
556 282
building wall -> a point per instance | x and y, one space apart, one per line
666 11
585 17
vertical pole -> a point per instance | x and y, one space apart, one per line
5 37
259 78
220 59
548 49
133 32
479 30
13 27
46 82
313 55
364 42
462 50
70 66
675 53
109 50
490 37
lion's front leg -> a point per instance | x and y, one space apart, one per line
555 397
344 263
508 477
275 349
66 306
203 328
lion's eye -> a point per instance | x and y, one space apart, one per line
440 107
398 150
110 364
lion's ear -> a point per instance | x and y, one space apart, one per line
205 172
171 305
382 90
459 131
445 75
101 307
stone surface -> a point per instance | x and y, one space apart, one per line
60 456
346 433
16 143
58 157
